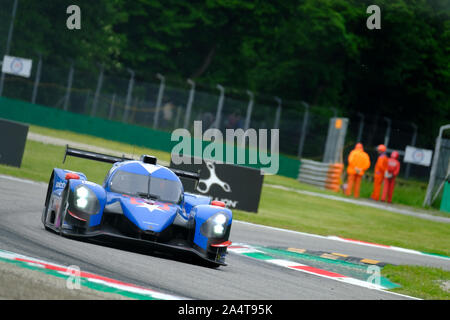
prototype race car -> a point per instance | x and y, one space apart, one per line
139 201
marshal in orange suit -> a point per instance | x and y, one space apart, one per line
378 175
358 163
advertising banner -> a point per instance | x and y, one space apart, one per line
418 156
238 187
17 66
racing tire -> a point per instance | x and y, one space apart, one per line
211 265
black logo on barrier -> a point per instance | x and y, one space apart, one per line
238 187
205 184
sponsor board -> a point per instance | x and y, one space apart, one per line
418 156
17 66
238 187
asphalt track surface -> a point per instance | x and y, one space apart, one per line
21 231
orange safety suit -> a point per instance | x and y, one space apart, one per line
392 171
358 163
378 176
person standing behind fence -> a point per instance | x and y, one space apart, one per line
378 174
358 163
392 171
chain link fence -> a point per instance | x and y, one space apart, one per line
164 105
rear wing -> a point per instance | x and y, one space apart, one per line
189 180
92 155
186 174
85 154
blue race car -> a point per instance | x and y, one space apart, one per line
139 201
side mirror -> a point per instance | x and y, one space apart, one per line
71 175
218 203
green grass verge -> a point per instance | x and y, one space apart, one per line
39 160
290 210
406 195
420 282
113 145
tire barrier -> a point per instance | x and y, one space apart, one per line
324 175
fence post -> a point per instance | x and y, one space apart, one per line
37 79
69 88
177 118
248 116
136 108
86 102
187 118
276 124
361 127
159 100
437 148
388 131
97 91
8 42
219 106
129 93
303 133
413 144
111 107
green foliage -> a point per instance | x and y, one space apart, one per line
318 51
40 27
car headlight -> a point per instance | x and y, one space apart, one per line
220 219
85 200
81 203
218 230
215 226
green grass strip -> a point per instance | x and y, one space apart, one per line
418 281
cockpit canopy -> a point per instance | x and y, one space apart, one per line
146 186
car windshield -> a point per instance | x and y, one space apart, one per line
146 186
